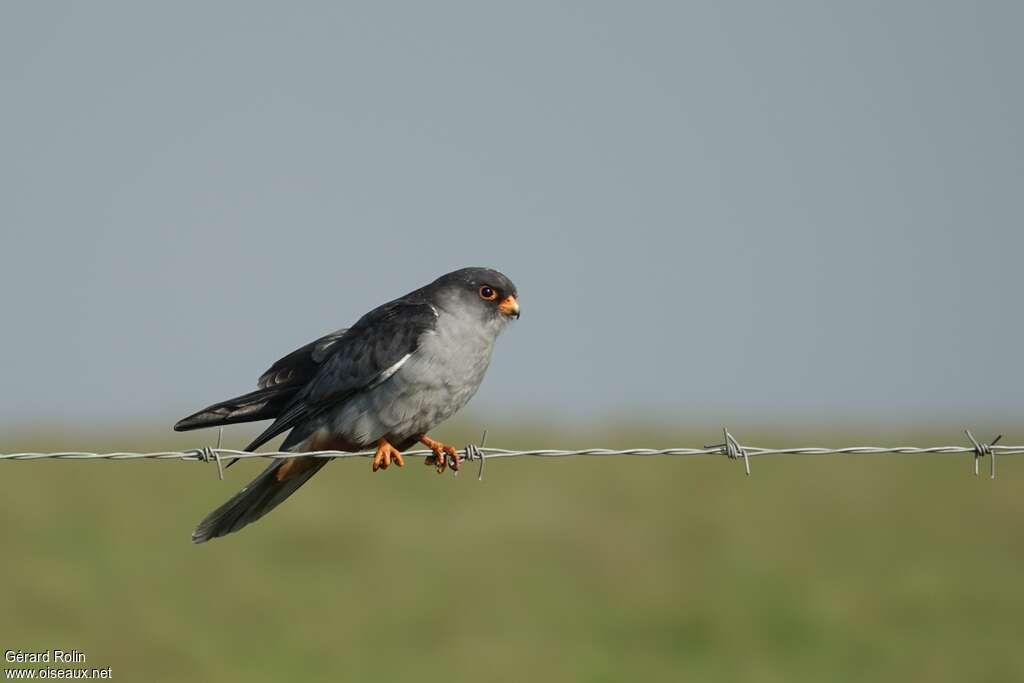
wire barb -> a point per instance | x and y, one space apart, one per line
206 454
983 449
477 452
731 449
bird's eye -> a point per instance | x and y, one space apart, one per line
487 293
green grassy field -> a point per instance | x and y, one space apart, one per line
837 569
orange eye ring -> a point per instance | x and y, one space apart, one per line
488 293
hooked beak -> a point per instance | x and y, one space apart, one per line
509 306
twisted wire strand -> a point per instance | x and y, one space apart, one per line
730 448
490 453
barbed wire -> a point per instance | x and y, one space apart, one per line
729 447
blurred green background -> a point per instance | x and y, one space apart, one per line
842 568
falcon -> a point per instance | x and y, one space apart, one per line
384 383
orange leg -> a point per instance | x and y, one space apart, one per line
443 455
385 454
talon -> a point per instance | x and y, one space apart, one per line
435 461
444 455
454 460
385 454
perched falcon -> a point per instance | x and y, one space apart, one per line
385 382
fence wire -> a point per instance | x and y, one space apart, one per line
729 447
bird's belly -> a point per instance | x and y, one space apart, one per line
429 388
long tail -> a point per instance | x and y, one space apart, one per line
264 493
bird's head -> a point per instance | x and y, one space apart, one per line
482 291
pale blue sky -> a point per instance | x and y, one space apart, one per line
714 211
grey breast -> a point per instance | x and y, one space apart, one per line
423 389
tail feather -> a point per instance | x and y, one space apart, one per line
262 404
264 493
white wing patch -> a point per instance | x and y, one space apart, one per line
386 374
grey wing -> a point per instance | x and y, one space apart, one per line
300 366
367 354
277 387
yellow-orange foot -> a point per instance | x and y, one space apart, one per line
443 455
386 453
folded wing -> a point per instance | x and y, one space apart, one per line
326 372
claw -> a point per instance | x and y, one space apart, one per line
385 454
444 455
